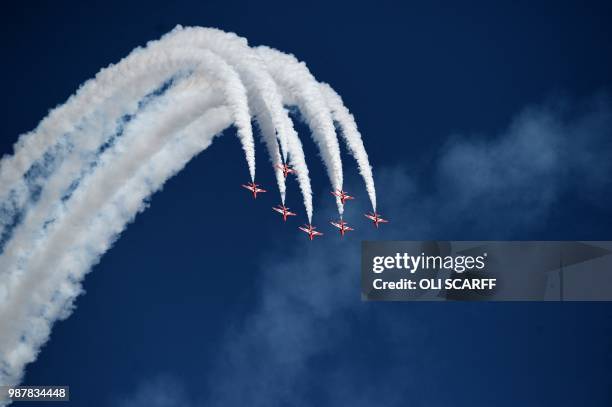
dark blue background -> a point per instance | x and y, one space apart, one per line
163 299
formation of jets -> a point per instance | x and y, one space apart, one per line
310 230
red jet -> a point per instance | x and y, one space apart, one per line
375 218
310 230
283 210
286 169
253 187
342 195
343 226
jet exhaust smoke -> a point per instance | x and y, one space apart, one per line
74 183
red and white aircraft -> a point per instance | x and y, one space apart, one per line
310 230
283 210
253 187
342 195
286 169
343 226
375 218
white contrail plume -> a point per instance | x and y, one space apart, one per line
266 129
352 137
73 184
264 96
119 89
202 61
56 292
116 90
237 53
298 162
117 164
162 118
303 90
143 138
110 83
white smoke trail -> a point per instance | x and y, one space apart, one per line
302 89
236 52
352 137
213 67
55 294
115 91
111 82
165 116
145 137
31 291
95 183
264 97
119 89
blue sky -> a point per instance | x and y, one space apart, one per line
488 121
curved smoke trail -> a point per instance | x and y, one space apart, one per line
73 184
302 89
265 97
352 137
93 115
